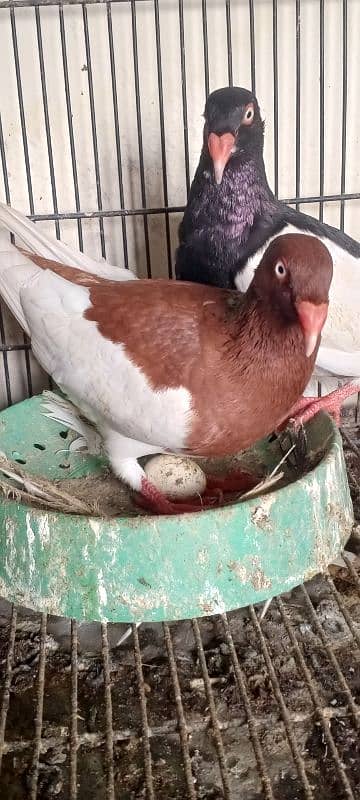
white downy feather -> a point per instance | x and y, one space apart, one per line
65 413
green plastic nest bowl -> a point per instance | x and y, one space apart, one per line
146 568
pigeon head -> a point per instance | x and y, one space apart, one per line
233 130
294 276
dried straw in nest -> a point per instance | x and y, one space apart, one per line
95 495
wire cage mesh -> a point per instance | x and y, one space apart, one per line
226 707
100 133
101 108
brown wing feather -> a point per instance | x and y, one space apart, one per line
72 274
220 347
162 324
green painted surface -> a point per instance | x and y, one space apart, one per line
156 568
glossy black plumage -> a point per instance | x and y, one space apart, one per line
225 225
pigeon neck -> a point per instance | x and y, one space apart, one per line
243 194
274 347
248 179
271 328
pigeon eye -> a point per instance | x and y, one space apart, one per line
249 115
280 270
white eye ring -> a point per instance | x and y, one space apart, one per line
280 270
249 115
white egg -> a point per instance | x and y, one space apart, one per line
176 477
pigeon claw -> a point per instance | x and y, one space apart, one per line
154 501
307 407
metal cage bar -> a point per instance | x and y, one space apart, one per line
144 718
252 45
350 623
229 41
131 212
205 47
5 702
184 94
216 730
167 210
183 731
162 134
276 97
46 117
354 708
139 130
322 106
117 130
285 715
344 109
93 127
39 711
253 734
110 789
298 103
70 122
27 165
74 711
325 723
183 725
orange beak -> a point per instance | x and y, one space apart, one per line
312 320
220 149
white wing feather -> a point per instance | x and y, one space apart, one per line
17 272
91 369
49 247
65 413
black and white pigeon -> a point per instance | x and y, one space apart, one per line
232 215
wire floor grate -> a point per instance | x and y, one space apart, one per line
217 708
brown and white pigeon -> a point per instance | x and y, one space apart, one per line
170 367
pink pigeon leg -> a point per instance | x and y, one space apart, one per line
151 499
216 485
307 407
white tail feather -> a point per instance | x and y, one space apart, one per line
51 248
